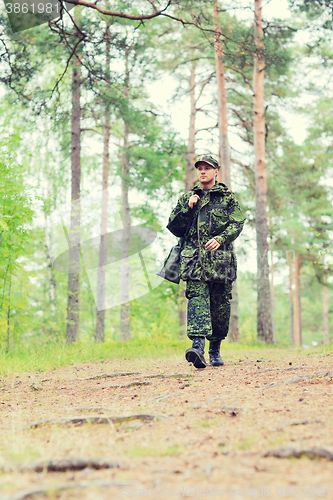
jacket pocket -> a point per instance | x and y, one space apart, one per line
218 265
219 220
190 268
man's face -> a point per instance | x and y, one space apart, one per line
206 173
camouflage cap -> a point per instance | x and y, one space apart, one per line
207 159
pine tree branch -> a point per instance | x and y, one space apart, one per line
192 23
206 128
152 4
203 85
113 13
242 74
245 124
247 170
91 130
9 79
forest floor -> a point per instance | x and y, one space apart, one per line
260 426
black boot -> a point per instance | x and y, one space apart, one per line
195 354
214 353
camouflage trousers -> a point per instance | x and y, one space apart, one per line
208 309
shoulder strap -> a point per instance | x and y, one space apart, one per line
191 219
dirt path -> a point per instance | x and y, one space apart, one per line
199 433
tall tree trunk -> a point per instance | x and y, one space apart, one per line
125 267
72 333
190 156
291 299
264 316
190 179
52 288
222 100
224 172
325 315
182 309
272 290
233 328
100 313
297 303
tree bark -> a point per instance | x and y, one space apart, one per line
72 332
52 289
182 309
100 313
272 291
297 303
190 179
291 300
264 316
126 220
224 173
233 328
325 316
190 156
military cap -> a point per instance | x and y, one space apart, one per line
207 159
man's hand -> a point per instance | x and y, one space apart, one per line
193 200
212 244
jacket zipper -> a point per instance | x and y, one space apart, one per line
199 237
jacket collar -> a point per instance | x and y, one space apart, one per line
218 187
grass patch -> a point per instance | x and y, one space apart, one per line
29 357
21 454
34 357
141 451
245 444
207 423
278 440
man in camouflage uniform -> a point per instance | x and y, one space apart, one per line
208 263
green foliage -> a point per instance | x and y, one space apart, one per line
15 215
153 315
315 9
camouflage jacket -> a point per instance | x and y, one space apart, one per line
218 215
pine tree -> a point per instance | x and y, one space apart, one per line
72 331
264 317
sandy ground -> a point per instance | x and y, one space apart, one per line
197 433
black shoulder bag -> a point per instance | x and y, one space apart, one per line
170 269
